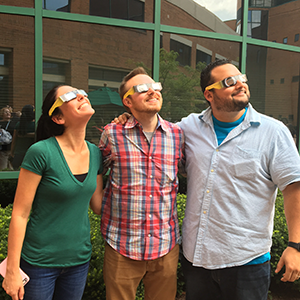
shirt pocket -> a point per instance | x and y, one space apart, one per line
166 172
246 163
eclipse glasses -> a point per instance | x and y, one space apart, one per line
66 98
144 87
227 82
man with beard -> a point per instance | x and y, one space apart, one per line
139 218
236 158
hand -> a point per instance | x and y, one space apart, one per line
291 259
122 119
13 286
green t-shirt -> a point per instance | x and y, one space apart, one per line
58 230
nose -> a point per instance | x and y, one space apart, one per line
80 97
239 84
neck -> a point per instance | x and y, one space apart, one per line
72 139
148 121
224 116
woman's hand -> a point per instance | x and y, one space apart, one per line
13 285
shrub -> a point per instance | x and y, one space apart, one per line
95 287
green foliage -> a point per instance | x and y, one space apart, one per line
95 287
5 216
7 191
280 235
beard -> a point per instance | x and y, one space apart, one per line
231 104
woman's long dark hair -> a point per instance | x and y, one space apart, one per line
46 127
27 117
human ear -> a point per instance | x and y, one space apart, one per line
208 94
58 119
127 102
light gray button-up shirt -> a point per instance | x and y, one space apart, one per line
232 187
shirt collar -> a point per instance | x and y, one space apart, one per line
132 122
252 116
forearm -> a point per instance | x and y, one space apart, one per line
292 211
16 235
96 200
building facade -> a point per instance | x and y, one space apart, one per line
92 44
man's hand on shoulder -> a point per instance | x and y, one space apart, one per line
121 119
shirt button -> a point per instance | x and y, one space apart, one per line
150 216
150 196
217 150
150 157
204 212
149 235
207 191
151 176
212 170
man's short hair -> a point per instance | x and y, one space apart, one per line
123 89
205 77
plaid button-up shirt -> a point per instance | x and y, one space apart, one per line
139 217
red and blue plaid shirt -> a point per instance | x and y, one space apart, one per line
139 216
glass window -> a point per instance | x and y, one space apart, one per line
203 55
54 72
257 25
96 69
181 92
296 37
119 9
273 14
215 16
275 99
183 48
57 5
16 88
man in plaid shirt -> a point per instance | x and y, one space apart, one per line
139 219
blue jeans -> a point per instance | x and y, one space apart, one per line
55 283
249 282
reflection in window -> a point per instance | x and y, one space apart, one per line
98 77
5 54
54 73
57 5
119 9
260 3
297 37
183 47
285 40
258 24
104 97
203 57
1 59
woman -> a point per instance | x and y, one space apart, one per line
7 124
23 136
59 178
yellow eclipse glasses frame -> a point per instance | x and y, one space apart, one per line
65 98
227 82
143 87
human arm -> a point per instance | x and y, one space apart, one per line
122 119
96 200
26 189
13 143
291 257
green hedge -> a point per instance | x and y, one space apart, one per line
95 288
